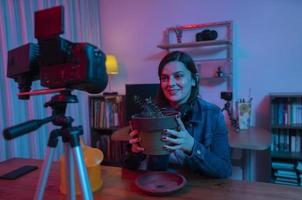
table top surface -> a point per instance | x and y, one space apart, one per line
119 184
250 139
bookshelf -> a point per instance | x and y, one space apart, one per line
286 130
107 114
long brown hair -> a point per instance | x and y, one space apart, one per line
187 60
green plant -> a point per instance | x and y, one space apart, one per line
149 108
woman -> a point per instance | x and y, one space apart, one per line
201 144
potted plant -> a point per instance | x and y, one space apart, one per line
150 123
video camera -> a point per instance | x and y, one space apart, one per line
57 62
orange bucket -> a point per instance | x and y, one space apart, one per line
92 158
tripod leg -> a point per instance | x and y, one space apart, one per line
52 144
82 173
69 172
44 173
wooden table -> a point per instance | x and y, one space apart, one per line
119 184
251 140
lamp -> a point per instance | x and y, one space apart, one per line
111 69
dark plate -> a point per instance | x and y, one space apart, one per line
160 183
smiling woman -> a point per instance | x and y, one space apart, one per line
176 83
200 143
184 70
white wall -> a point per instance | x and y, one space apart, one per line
267 41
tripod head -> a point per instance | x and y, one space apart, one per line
228 96
58 103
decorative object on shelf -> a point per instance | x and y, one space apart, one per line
219 72
206 35
178 33
111 69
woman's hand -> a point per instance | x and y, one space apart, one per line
178 139
134 141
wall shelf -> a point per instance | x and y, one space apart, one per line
208 55
214 78
287 155
194 44
291 126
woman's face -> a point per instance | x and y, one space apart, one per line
176 83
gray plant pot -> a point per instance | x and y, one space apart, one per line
151 130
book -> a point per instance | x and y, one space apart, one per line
283 165
290 180
286 174
285 183
293 143
298 143
299 168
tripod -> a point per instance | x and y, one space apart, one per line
227 107
72 150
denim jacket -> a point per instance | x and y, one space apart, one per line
211 152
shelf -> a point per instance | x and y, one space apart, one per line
286 95
106 115
214 78
198 26
213 60
287 155
218 52
291 126
286 135
194 44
